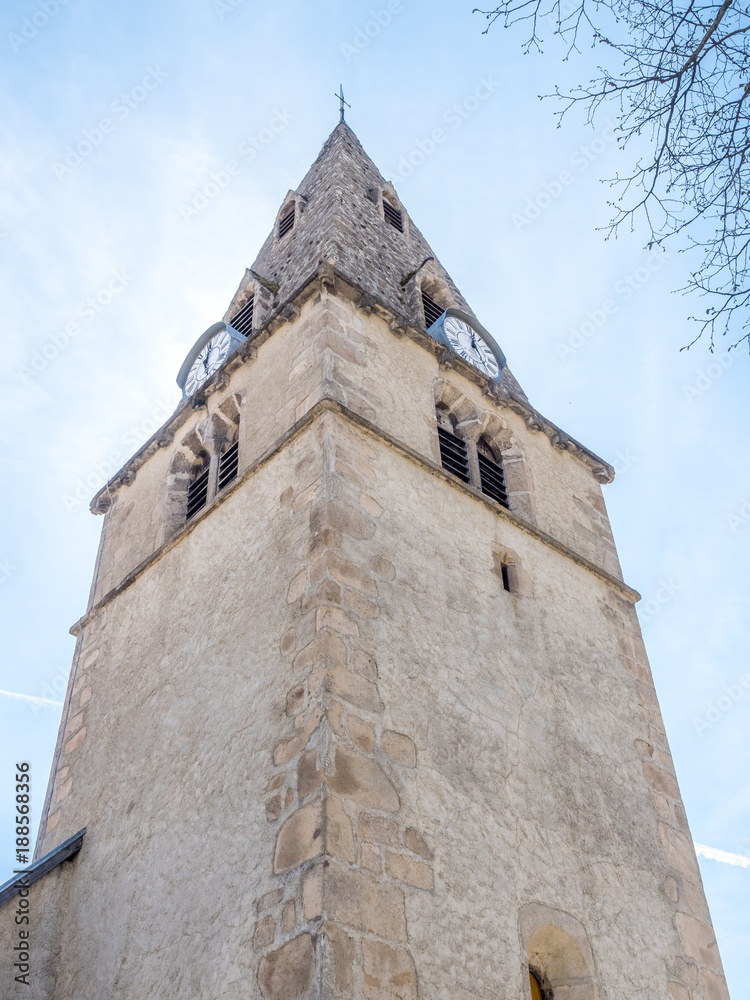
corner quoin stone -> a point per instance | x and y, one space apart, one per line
288 972
358 901
300 837
361 779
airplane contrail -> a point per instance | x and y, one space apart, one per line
32 698
715 854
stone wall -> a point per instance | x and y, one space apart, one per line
47 903
332 349
322 751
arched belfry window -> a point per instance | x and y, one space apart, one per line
476 462
454 453
204 463
491 474
213 475
197 492
228 464
497 461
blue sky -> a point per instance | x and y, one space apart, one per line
191 122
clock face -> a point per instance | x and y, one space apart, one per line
210 359
469 345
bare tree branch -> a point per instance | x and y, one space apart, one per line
678 75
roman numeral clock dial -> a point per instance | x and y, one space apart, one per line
207 356
476 348
210 359
468 344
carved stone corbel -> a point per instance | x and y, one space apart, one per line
497 393
327 275
533 423
101 505
446 359
602 474
219 381
366 304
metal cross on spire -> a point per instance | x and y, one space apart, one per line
342 102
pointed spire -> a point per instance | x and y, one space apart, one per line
344 213
339 217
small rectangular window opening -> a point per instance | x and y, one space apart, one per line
228 463
243 321
432 311
393 215
506 577
286 223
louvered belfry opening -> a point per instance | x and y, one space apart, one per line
286 222
228 463
197 493
393 216
454 454
432 311
491 475
243 321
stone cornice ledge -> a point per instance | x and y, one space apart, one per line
328 405
331 279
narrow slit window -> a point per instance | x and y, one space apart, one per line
505 573
228 463
491 475
243 321
286 222
432 311
393 216
197 493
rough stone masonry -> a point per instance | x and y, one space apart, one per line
354 729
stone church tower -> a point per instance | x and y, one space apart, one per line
360 707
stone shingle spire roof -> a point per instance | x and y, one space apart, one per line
339 218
